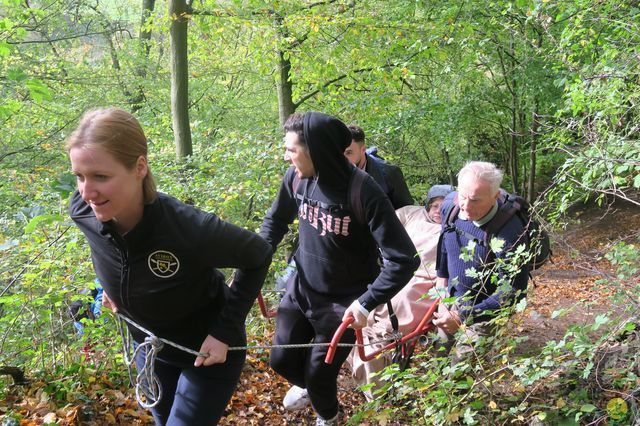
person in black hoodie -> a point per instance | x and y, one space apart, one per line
156 257
338 272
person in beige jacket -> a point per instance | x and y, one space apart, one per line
423 224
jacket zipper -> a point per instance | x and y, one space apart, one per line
124 270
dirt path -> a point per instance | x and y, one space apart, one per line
573 281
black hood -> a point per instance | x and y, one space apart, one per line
327 138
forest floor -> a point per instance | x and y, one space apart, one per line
569 283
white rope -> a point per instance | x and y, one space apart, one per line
147 384
392 337
148 387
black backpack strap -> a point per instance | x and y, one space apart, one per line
449 216
439 258
392 317
507 210
355 194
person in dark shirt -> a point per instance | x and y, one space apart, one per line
337 273
387 175
156 258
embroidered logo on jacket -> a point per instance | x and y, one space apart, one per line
163 264
324 222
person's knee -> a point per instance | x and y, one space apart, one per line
285 365
321 377
277 361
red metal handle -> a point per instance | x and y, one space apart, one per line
263 308
424 326
425 323
328 359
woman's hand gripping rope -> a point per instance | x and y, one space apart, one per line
216 350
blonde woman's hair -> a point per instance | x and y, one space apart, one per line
118 133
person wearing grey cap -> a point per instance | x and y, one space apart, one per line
435 197
422 223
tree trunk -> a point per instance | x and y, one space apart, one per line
284 87
447 164
523 177
180 78
535 125
513 148
145 47
513 156
145 34
286 107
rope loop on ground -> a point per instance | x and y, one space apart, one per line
147 383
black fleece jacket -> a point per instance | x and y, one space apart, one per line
337 256
390 179
162 273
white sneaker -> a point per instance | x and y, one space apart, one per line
296 398
331 422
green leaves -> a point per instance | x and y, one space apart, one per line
42 219
16 74
600 321
65 184
38 91
496 245
5 48
588 408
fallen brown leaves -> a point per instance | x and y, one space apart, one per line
258 398
98 404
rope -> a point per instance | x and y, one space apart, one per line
267 291
147 383
392 337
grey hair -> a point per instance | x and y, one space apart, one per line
485 171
